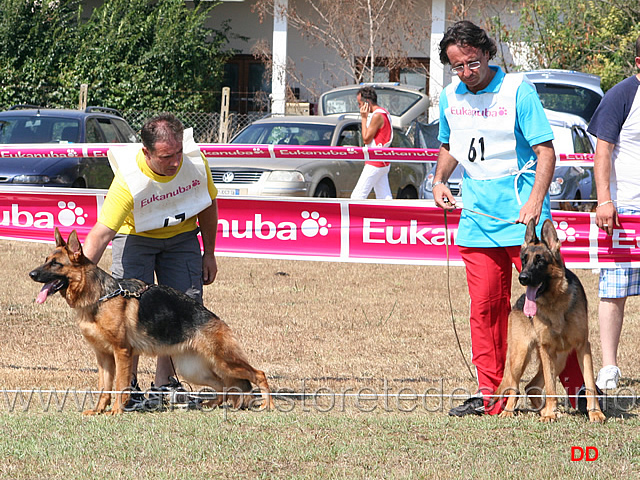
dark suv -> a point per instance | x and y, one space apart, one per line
28 124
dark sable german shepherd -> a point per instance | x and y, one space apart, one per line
123 318
550 318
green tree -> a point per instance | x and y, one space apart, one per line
594 36
133 54
152 55
37 38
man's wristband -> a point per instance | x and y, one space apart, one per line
601 204
435 184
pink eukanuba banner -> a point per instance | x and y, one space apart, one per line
396 231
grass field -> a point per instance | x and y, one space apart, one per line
358 335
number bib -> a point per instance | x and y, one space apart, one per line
159 205
482 127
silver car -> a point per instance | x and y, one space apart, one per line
313 177
405 103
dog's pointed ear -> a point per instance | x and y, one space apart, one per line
74 246
550 236
530 236
59 240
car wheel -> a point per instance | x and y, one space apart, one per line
325 189
408 193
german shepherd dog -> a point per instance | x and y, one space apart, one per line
123 318
550 318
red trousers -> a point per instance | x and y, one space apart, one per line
489 280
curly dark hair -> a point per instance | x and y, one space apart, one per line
164 127
368 93
465 33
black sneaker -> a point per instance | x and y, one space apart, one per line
157 399
581 403
471 406
172 395
136 397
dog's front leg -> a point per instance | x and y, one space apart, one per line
123 364
586 365
548 412
106 368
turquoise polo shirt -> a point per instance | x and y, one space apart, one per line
497 197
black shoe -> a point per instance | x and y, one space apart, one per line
136 397
581 403
471 406
178 394
172 395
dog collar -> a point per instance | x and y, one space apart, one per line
124 293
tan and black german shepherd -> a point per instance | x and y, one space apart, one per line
550 318
123 318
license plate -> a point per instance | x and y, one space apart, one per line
229 191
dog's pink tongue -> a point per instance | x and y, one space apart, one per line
530 307
42 296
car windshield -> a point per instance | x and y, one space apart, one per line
570 99
288 134
344 101
37 129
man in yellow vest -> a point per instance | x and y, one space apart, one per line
162 195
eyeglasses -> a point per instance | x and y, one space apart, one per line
460 68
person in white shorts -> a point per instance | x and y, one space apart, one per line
376 132
616 124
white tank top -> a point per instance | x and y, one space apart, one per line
482 126
162 204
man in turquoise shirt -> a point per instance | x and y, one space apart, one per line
494 125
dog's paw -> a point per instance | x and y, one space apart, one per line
548 418
506 414
597 416
92 412
114 411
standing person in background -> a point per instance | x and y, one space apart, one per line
494 125
161 196
616 124
377 131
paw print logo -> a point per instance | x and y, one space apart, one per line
195 183
72 153
314 224
351 150
70 213
257 150
502 111
565 232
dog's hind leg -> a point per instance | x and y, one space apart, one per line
237 370
236 392
106 369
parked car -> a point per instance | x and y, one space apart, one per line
405 103
568 91
313 177
569 98
20 125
